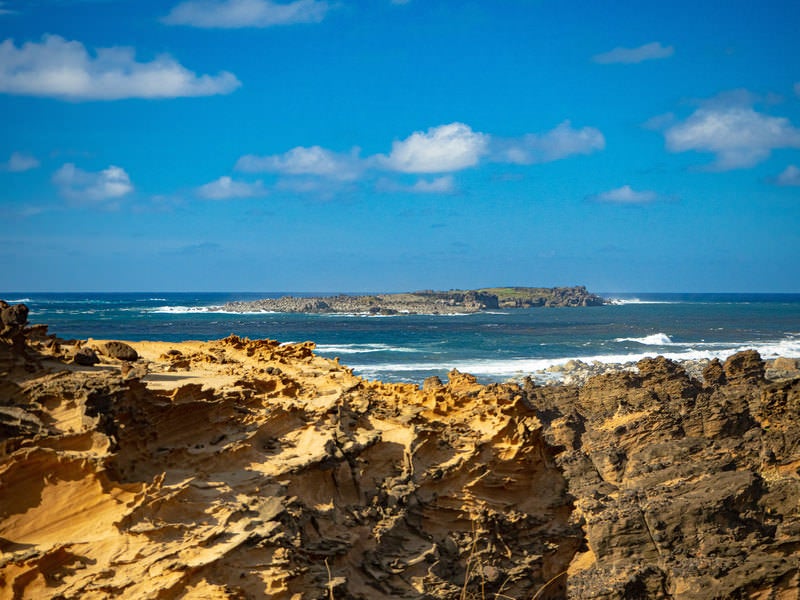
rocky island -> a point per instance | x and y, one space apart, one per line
244 468
425 302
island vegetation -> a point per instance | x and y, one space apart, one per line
426 301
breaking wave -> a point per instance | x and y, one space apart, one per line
211 310
182 310
360 348
655 339
623 301
518 367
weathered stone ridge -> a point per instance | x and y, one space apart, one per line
253 469
425 302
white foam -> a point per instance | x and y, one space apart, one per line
360 348
622 301
211 310
368 315
515 367
655 339
183 310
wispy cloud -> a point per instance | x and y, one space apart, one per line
558 143
660 122
19 162
64 69
226 188
231 14
438 185
790 176
6 11
651 51
730 128
445 148
24 211
200 249
313 160
625 195
103 188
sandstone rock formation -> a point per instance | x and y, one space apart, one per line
251 469
118 350
691 488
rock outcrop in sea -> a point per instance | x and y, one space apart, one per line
250 469
425 302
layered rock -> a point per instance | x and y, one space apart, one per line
249 469
684 489
289 478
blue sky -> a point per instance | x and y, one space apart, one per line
349 145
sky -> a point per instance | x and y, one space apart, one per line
388 145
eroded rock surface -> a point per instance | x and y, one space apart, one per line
251 469
685 489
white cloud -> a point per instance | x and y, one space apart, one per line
20 161
728 127
445 148
660 122
313 160
86 187
789 176
651 51
625 195
226 188
439 150
6 11
64 69
558 143
229 14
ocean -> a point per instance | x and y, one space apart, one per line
494 346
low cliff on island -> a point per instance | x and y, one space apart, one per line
251 469
425 302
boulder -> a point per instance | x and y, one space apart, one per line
784 364
12 318
86 356
744 368
713 374
118 350
432 383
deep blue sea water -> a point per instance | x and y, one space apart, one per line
495 346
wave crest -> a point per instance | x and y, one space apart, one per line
360 348
654 339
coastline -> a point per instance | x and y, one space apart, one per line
241 467
494 345
575 372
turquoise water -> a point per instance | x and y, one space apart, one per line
494 346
